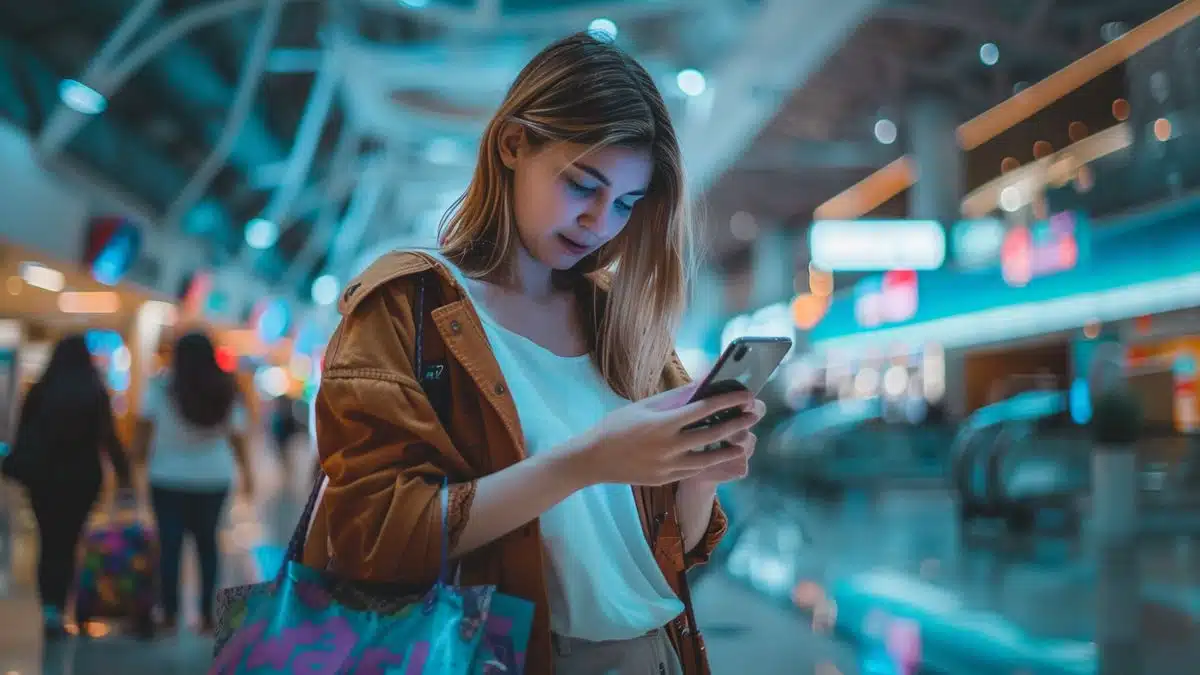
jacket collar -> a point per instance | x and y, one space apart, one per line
404 263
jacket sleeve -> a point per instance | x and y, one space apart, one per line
718 525
385 452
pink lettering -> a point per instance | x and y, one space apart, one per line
417 657
336 638
498 625
226 663
334 632
373 660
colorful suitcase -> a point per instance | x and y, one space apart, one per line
118 573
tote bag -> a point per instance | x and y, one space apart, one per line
309 621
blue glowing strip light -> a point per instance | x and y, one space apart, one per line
1131 272
1032 318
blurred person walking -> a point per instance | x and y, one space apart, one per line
544 390
192 428
65 428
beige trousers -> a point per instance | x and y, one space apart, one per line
650 654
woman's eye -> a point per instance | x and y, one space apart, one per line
579 188
622 207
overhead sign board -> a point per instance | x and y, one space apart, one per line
976 243
1043 248
877 245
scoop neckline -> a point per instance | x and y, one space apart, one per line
486 316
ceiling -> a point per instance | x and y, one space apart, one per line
822 141
396 94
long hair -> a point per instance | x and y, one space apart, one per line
583 89
68 407
71 380
202 392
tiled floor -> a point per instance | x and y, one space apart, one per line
983 603
740 624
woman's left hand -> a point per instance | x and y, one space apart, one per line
736 467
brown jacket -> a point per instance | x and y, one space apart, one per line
386 452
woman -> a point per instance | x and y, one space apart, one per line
541 350
193 424
66 425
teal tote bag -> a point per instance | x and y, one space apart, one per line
309 621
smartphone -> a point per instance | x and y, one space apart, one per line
746 364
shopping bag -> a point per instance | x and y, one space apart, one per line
310 621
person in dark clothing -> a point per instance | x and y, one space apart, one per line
191 428
65 426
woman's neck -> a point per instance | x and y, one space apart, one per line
526 276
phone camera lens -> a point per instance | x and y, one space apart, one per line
740 353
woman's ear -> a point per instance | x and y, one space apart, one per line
511 142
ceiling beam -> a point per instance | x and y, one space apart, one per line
749 88
818 155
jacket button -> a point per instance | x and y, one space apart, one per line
499 388
455 327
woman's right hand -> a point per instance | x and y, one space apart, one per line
644 443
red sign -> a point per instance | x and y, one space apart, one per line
891 298
1046 247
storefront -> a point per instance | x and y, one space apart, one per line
1026 317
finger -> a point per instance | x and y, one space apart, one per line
698 410
734 469
743 439
702 461
701 436
760 409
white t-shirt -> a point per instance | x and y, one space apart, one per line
182 455
603 580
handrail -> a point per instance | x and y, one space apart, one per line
830 419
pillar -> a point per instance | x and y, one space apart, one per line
931 127
1118 611
774 268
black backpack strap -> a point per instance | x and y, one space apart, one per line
429 358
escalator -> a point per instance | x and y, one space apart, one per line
1021 458
1018 458
851 445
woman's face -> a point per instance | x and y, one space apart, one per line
570 201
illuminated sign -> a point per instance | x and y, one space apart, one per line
877 245
111 247
891 298
770 321
977 243
1046 247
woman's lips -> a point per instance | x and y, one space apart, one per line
572 245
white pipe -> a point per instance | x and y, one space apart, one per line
316 112
58 130
243 102
346 168
64 123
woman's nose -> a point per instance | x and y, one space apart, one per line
593 217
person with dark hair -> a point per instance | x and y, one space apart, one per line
192 428
66 425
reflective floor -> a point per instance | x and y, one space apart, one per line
887 578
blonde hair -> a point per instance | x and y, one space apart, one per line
583 89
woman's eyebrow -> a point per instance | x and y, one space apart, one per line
599 175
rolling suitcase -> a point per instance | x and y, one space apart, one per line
118 572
